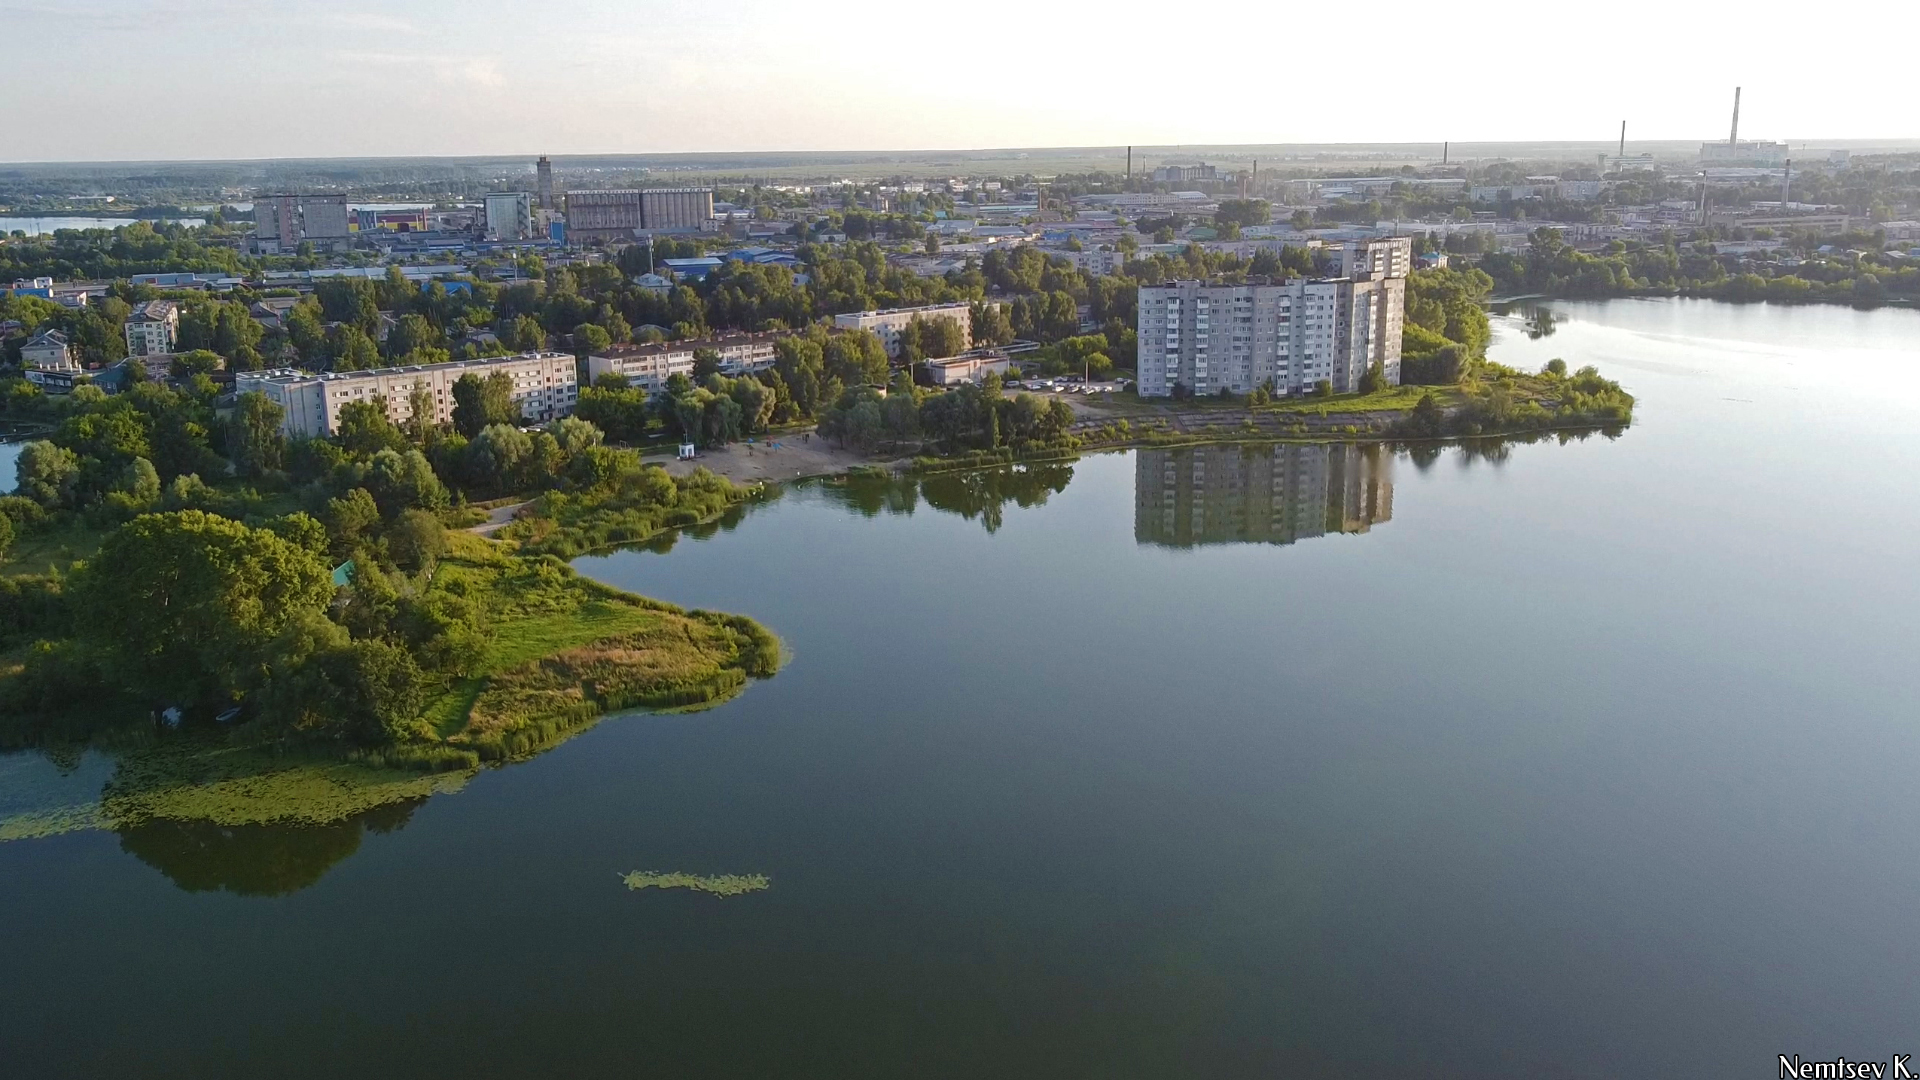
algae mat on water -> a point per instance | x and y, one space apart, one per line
225 786
719 885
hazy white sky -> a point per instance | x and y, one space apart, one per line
181 79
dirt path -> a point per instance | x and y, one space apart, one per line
498 518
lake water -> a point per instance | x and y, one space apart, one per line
41 226
1569 760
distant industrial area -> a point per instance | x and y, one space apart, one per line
1308 247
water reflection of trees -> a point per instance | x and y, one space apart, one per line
254 860
981 494
1493 449
213 816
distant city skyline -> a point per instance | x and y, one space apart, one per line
222 79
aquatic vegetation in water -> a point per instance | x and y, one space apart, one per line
720 885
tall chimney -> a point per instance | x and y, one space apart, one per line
1445 149
1786 185
1733 140
1129 166
1623 138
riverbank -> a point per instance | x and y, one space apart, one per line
1527 404
551 653
793 456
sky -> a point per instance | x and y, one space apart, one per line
119 80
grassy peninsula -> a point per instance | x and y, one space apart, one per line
301 633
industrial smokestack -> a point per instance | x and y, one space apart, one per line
1786 185
1446 148
1129 166
1733 139
1623 138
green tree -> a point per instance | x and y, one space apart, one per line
526 335
47 474
198 362
574 434
589 338
138 488
991 325
351 518
254 439
364 429
478 402
403 481
414 333
417 540
188 604
308 333
353 350
1374 379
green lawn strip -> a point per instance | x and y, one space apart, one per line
1397 399
37 550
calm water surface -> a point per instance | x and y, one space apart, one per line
1560 762
42 226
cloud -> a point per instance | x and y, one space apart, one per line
368 20
442 67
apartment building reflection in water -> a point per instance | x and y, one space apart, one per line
1259 494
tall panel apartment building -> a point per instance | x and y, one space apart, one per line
618 215
1287 336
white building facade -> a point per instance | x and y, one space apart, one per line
153 327
545 386
650 366
889 323
1287 336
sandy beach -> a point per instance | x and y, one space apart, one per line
784 458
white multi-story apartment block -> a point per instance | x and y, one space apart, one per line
1093 260
650 366
890 322
1287 336
545 386
153 328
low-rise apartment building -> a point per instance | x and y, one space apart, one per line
890 322
545 386
1286 336
650 366
959 370
153 327
48 350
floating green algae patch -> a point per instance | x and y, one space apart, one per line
51 821
720 885
231 786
